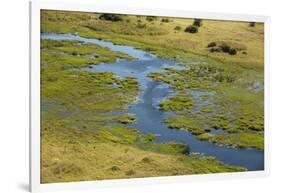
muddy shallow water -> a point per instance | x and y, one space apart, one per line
149 118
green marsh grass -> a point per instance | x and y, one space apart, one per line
82 138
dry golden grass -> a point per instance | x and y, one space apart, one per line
235 33
164 36
70 154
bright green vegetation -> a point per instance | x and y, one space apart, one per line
65 54
176 103
82 136
127 118
65 84
215 97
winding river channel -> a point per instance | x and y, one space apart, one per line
149 118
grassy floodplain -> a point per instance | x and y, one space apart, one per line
81 137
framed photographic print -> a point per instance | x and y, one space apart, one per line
123 96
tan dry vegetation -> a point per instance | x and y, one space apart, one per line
73 155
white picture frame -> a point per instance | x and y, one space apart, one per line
36 6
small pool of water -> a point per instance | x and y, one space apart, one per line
217 131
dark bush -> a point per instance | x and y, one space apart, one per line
191 29
74 53
225 47
165 20
178 28
232 51
219 77
130 172
186 150
147 160
215 49
208 129
197 22
252 24
151 18
212 44
115 168
110 17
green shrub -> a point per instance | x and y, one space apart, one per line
74 53
151 18
148 138
212 44
232 51
110 17
225 48
115 168
222 47
215 49
191 29
165 20
178 28
130 173
127 118
197 22
180 147
252 24
147 160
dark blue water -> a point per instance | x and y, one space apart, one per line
150 118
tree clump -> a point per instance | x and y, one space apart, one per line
191 29
166 20
194 28
252 24
177 28
223 47
197 22
151 18
110 17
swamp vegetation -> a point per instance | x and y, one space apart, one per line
87 132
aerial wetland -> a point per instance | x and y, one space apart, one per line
126 96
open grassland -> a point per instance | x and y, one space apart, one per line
164 38
71 154
83 138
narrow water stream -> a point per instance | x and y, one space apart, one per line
150 118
